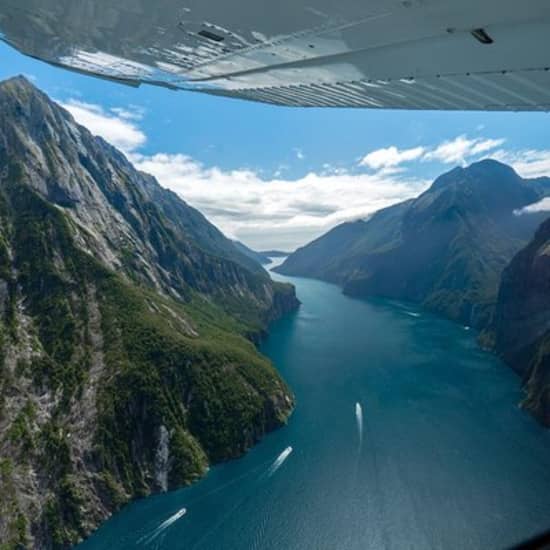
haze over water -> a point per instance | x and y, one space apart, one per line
405 435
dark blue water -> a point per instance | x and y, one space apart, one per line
445 458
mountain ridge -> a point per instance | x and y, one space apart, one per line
521 327
254 255
126 365
444 250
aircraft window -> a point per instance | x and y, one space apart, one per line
211 35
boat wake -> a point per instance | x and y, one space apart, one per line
163 526
412 313
359 419
172 519
279 461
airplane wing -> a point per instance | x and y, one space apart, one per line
396 54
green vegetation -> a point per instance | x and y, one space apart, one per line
156 364
121 319
17 533
188 458
16 538
53 275
62 515
20 434
185 366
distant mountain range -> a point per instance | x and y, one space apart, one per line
275 253
445 249
264 257
126 365
457 250
258 257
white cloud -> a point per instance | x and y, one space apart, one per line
119 129
458 150
484 145
133 112
528 163
276 212
541 206
390 157
299 154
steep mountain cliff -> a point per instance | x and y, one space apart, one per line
124 367
258 257
445 249
522 321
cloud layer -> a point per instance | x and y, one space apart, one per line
118 127
274 212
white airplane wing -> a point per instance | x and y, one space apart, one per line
397 54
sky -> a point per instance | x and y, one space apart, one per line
278 177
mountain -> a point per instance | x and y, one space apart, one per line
275 253
522 321
257 257
445 249
195 226
125 366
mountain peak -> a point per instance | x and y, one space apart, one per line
491 165
17 80
22 103
487 168
18 83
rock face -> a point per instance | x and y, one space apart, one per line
258 257
445 249
522 321
124 366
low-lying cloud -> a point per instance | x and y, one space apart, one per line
541 206
528 163
276 212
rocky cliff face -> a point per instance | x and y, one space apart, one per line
522 321
123 216
258 257
444 250
123 363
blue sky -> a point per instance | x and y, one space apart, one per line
277 177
